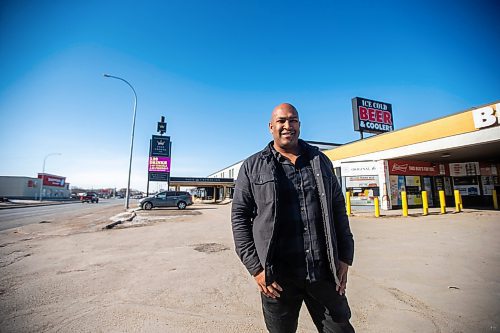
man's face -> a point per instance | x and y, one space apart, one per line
285 127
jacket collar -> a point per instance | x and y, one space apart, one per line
267 152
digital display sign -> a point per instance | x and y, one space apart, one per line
159 164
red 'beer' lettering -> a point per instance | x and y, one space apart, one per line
387 118
371 114
363 113
375 115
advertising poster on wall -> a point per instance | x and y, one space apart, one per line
363 189
443 184
362 197
464 169
448 189
488 183
359 169
428 189
361 181
413 190
468 190
397 186
468 186
439 181
488 170
413 168
52 180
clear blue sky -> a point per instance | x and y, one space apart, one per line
215 69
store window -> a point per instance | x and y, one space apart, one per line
363 189
467 185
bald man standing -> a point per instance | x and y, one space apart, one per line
291 230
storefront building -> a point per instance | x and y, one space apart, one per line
54 187
233 170
456 152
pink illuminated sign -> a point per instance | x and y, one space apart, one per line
159 164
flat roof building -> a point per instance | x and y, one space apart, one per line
456 152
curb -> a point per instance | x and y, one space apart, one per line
114 224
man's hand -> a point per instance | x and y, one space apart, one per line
342 275
270 291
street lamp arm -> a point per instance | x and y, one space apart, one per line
43 173
132 137
119 78
51 154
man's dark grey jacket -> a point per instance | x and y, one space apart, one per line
255 206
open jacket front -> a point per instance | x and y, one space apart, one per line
255 206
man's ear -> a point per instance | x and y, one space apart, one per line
270 128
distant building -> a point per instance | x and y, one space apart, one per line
19 187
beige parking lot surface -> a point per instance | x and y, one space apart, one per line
176 271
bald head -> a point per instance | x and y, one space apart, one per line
284 107
285 128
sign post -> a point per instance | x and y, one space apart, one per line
159 156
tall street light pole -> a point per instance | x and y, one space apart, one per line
43 172
132 139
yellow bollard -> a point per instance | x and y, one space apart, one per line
348 202
405 203
442 202
377 208
457 201
495 199
461 202
425 203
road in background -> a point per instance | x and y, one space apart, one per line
17 217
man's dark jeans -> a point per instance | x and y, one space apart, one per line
329 310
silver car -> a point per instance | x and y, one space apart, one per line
167 199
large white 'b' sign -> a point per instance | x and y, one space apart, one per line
485 117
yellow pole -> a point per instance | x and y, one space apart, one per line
377 208
425 203
348 202
457 201
405 203
442 202
495 199
461 203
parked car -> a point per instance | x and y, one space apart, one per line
167 199
89 197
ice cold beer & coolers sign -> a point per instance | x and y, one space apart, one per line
371 116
